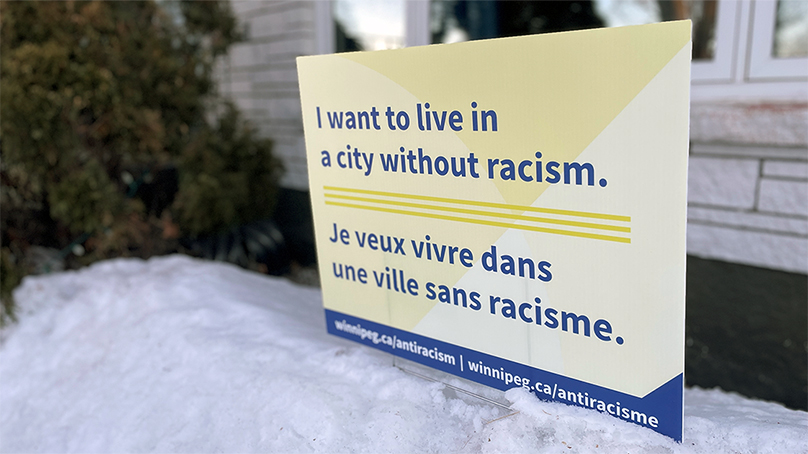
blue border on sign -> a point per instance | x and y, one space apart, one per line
660 410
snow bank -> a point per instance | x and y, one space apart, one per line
181 355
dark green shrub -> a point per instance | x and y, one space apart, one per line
227 178
94 93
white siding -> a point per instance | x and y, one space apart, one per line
260 76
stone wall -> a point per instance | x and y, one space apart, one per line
748 185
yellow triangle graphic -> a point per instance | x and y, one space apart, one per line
552 93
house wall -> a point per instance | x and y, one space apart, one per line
748 184
260 76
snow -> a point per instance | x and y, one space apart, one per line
181 355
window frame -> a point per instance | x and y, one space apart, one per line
720 68
761 65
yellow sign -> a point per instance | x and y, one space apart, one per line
511 211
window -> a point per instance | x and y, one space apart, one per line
368 25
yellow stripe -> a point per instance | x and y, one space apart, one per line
587 225
484 222
585 214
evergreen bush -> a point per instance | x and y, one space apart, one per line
98 97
